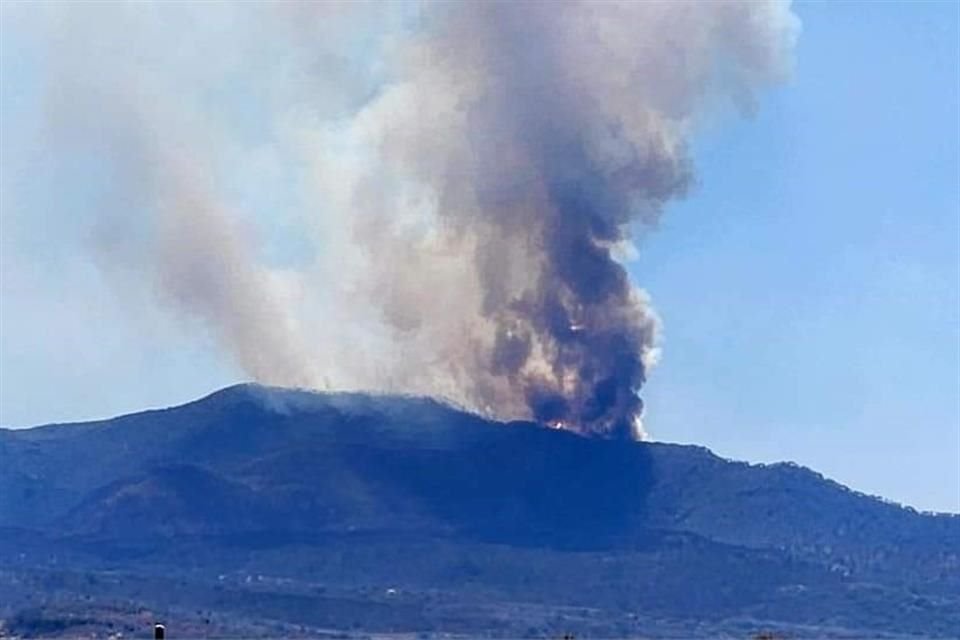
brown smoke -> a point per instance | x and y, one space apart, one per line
468 174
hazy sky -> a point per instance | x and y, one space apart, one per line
809 285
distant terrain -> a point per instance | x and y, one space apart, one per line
262 512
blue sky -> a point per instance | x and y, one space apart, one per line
809 285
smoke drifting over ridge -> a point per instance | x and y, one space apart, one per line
466 176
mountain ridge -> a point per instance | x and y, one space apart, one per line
418 493
281 398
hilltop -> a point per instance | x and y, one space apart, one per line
284 510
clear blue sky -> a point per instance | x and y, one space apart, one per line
809 286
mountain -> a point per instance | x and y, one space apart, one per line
269 511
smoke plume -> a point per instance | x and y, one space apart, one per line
466 178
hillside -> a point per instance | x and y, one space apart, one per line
276 509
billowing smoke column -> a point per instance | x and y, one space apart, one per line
558 177
468 176
556 127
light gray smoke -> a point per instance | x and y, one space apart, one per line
468 176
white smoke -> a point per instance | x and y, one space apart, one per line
466 176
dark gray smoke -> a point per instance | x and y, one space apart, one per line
468 175
549 130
